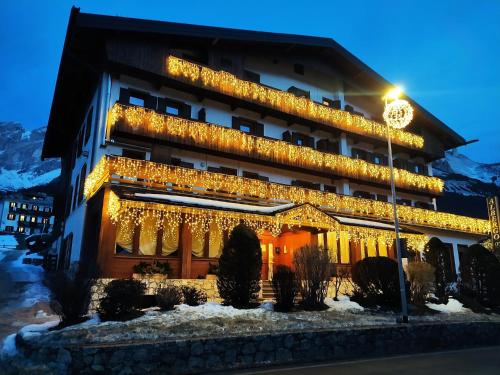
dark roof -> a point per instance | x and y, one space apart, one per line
82 24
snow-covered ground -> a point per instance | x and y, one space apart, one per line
24 299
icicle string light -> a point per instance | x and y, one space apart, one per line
226 83
163 177
138 120
200 219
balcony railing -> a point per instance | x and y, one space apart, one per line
164 177
148 123
226 83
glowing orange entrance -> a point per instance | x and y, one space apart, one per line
279 250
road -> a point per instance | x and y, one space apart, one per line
469 361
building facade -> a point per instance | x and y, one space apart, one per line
174 133
26 213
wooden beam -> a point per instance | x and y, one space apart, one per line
186 254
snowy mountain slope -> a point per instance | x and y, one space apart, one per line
20 163
466 177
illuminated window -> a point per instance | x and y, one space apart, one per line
331 244
12 204
20 229
24 206
382 247
45 220
33 219
345 248
11 217
35 208
22 218
371 247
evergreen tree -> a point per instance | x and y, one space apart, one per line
239 268
437 254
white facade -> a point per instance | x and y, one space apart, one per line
26 214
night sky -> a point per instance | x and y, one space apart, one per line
445 53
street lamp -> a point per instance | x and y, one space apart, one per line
398 113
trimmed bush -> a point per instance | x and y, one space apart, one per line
168 297
239 268
438 255
285 288
193 296
480 276
421 278
312 269
122 299
377 282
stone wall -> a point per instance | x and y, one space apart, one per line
209 286
202 355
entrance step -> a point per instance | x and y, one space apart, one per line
267 290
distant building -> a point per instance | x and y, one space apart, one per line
172 134
26 213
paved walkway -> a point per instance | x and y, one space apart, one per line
469 361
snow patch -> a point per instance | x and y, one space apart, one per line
343 304
14 180
37 329
214 309
215 203
26 135
453 306
9 348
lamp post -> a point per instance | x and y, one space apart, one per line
398 113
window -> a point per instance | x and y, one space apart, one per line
382 198
134 100
33 219
11 217
202 115
83 174
20 229
75 193
34 208
172 110
306 184
330 188
12 205
9 228
363 194
359 154
255 176
45 220
24 206
22 218
248 126
88 128
299 92
48 209
378 159
299 69
134 154
404 202
331 103
298 139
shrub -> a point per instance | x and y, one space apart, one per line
285 288
377 282
438 255
421 277
312 267
145 268
70 297
213 269
121 300
239 268
480 276
168 297
193 296
341 276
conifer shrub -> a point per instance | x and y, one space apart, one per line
285 288
480 276
168 297
438 255
421 278
239 268
122 299
376 282
312 269
193 296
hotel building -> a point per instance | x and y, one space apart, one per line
171 134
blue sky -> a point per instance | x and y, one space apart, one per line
445 53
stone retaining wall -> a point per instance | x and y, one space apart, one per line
209 286
202 355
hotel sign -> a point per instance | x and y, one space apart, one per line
492 203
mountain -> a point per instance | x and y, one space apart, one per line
20 163
467 184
